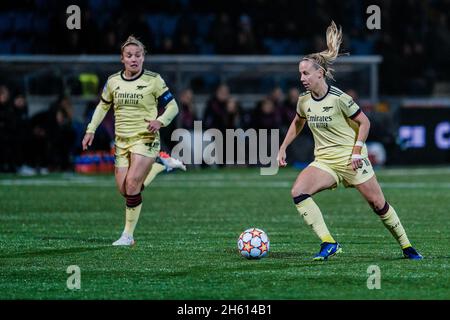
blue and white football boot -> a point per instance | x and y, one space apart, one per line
411 253
327 250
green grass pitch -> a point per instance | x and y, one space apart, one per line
187 234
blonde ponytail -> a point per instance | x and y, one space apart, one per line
326 58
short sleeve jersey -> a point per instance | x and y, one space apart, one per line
135 101
330 121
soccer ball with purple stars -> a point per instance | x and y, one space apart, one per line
253 243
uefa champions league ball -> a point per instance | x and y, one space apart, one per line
253 243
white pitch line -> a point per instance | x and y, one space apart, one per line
412 172
416 185
229 176
201 184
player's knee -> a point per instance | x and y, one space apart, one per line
298 190
122 189
378 204
133 185
293 193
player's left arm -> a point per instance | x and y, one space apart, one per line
364 126
354 112
363 132
170 112
165 99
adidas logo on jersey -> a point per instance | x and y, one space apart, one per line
309 110
118 88
364 171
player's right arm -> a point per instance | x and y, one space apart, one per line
294 130
100 112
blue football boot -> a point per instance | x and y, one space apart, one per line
327 249
411 253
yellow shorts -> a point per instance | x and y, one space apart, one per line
125 147
343 173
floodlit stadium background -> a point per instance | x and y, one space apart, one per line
51 76
60 207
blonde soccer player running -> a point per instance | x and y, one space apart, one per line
135 94
340 130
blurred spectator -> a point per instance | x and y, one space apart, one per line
233 121
6 128
215 115
289 108
76 126
185 120
222 34
40 141
104 135
61 139
53 137
187 114
233 118
246 42
277 97
21 136
265 115
216 109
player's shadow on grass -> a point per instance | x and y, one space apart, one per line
286 255
273 255
52 252
91 240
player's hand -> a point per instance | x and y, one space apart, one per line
356 161
87 140
281 158
153 125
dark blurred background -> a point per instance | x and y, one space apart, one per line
242 72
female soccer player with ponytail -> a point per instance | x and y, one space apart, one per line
135 94
340 130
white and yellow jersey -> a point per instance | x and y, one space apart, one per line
134 101
330 121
